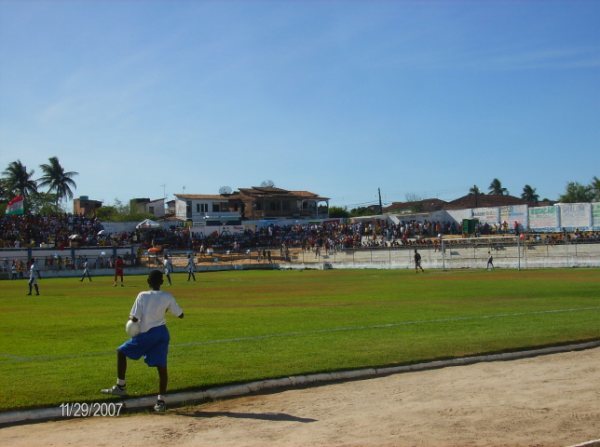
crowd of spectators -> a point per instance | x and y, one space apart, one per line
575 237
64 230
58 231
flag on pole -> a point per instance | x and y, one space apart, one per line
15 206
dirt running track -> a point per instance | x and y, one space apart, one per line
550 400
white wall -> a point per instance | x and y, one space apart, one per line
575 215
583 216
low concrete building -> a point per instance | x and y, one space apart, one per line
251 204
142 205
270 202
84 206
206 208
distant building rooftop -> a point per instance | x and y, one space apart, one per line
419 206
483 201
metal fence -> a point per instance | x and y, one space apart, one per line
15 262
456 254
507 252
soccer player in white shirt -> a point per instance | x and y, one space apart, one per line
86 271
152 342
168 266
191 268
32 280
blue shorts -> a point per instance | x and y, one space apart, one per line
153 345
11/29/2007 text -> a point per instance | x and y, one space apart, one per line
94 409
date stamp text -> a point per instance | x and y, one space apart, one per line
93 409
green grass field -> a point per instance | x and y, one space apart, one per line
246 325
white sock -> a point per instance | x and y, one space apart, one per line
161 398
120 382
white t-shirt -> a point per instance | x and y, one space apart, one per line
32 270
190 265
151 306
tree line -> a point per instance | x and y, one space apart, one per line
17 180
59 184
575 192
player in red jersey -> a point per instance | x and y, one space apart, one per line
119 270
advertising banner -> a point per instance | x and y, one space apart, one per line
596 215
544 218
490 216
575 215
514 213
459 215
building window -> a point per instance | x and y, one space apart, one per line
216 208
188 209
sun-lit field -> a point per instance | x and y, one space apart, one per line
245 325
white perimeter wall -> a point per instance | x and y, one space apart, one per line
569 216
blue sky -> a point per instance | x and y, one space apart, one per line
336 97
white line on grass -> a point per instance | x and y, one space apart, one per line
379 326
11 358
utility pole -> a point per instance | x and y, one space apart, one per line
164 186
380 204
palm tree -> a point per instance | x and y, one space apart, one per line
595 187
475 190
4 193
496 188
576 193
530 195
18 181
57 180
